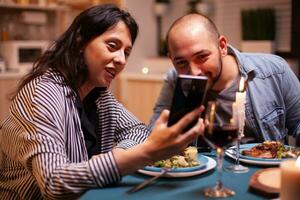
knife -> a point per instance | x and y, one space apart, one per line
147 182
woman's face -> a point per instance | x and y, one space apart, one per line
107 54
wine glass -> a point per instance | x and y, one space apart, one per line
221 129
237 167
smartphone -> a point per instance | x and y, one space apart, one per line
189 93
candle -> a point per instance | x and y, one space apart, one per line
234 113
290 180
240 100
240 96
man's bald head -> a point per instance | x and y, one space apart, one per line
193 23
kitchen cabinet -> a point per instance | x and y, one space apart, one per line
31 21
138 93
83 4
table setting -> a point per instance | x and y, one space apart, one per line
229 170
190 187
193 185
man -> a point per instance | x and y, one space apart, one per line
273 91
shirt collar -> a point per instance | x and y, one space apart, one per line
244 66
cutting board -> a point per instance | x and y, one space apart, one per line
266 182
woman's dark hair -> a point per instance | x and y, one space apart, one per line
65 55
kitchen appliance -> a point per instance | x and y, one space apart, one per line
19 55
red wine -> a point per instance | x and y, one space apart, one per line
222 136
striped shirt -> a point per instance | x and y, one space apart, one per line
43 153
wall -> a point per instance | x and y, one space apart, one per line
145 45
228 19
226 15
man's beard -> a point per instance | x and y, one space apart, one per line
213 81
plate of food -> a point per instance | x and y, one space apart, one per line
269 153
189 164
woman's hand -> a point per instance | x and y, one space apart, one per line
162 143
167 141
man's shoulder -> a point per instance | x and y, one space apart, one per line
264 64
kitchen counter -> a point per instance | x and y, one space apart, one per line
10 75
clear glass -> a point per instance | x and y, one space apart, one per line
237 167
219 134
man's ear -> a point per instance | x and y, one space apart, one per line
223 45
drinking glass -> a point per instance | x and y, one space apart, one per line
237 167
221 129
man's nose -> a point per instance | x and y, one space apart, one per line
195 69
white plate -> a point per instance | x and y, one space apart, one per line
202 164
251 160
211 163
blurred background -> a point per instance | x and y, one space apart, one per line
28 26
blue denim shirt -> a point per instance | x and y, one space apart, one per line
273 95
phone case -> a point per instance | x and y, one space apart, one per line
189 93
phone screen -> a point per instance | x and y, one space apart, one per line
189 93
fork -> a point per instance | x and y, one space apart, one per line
148 181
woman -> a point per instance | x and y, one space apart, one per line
66 133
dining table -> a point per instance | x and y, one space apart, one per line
180 188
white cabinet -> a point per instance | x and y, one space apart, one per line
138 93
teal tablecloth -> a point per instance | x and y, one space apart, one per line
177 188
